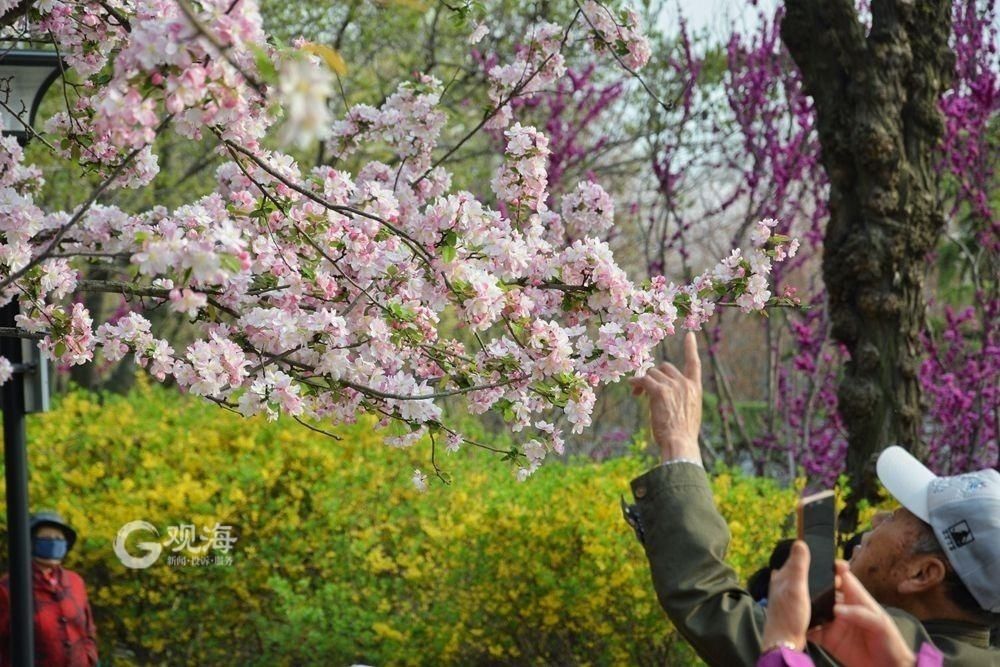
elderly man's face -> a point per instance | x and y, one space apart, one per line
880 560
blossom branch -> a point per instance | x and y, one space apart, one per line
94 196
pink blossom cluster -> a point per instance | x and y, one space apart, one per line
539 63
622 35
759 264
6 370
409 122
522 180
323 294
133 333
591 210
165 66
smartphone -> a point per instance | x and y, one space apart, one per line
817 526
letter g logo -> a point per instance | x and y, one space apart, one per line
151 549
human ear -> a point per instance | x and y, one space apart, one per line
922 574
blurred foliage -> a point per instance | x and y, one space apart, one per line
965 266
339 559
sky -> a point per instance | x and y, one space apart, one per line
715 15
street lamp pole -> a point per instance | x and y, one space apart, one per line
24 78
15 457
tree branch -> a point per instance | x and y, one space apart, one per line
17 332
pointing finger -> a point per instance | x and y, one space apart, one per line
692 363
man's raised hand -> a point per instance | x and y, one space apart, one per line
675 404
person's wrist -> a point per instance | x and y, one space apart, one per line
783 644
782 638
674 461
681 448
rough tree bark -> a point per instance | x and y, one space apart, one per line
15 12
876 98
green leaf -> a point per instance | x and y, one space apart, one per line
449 244
511 454
230 263
265 67
401 312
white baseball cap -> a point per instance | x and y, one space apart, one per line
963 510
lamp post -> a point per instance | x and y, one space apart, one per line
24 78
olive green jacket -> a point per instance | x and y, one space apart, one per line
686 539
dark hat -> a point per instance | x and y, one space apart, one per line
53 518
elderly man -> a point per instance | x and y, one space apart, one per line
65 635
934 563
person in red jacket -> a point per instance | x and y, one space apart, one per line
65 635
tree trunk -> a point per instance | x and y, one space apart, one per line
876 99
11 16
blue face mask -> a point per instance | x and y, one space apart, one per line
49 548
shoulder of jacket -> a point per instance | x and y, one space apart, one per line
72 577
908 624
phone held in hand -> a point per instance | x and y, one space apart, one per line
817 527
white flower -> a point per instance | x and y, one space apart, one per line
477 35
6 370
304 87
419 480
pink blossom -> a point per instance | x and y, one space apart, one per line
588 210
187 301
609 34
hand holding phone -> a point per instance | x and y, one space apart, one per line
817 527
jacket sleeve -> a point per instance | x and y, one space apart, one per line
91 638
686 539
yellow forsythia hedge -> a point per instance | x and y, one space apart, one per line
340 560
